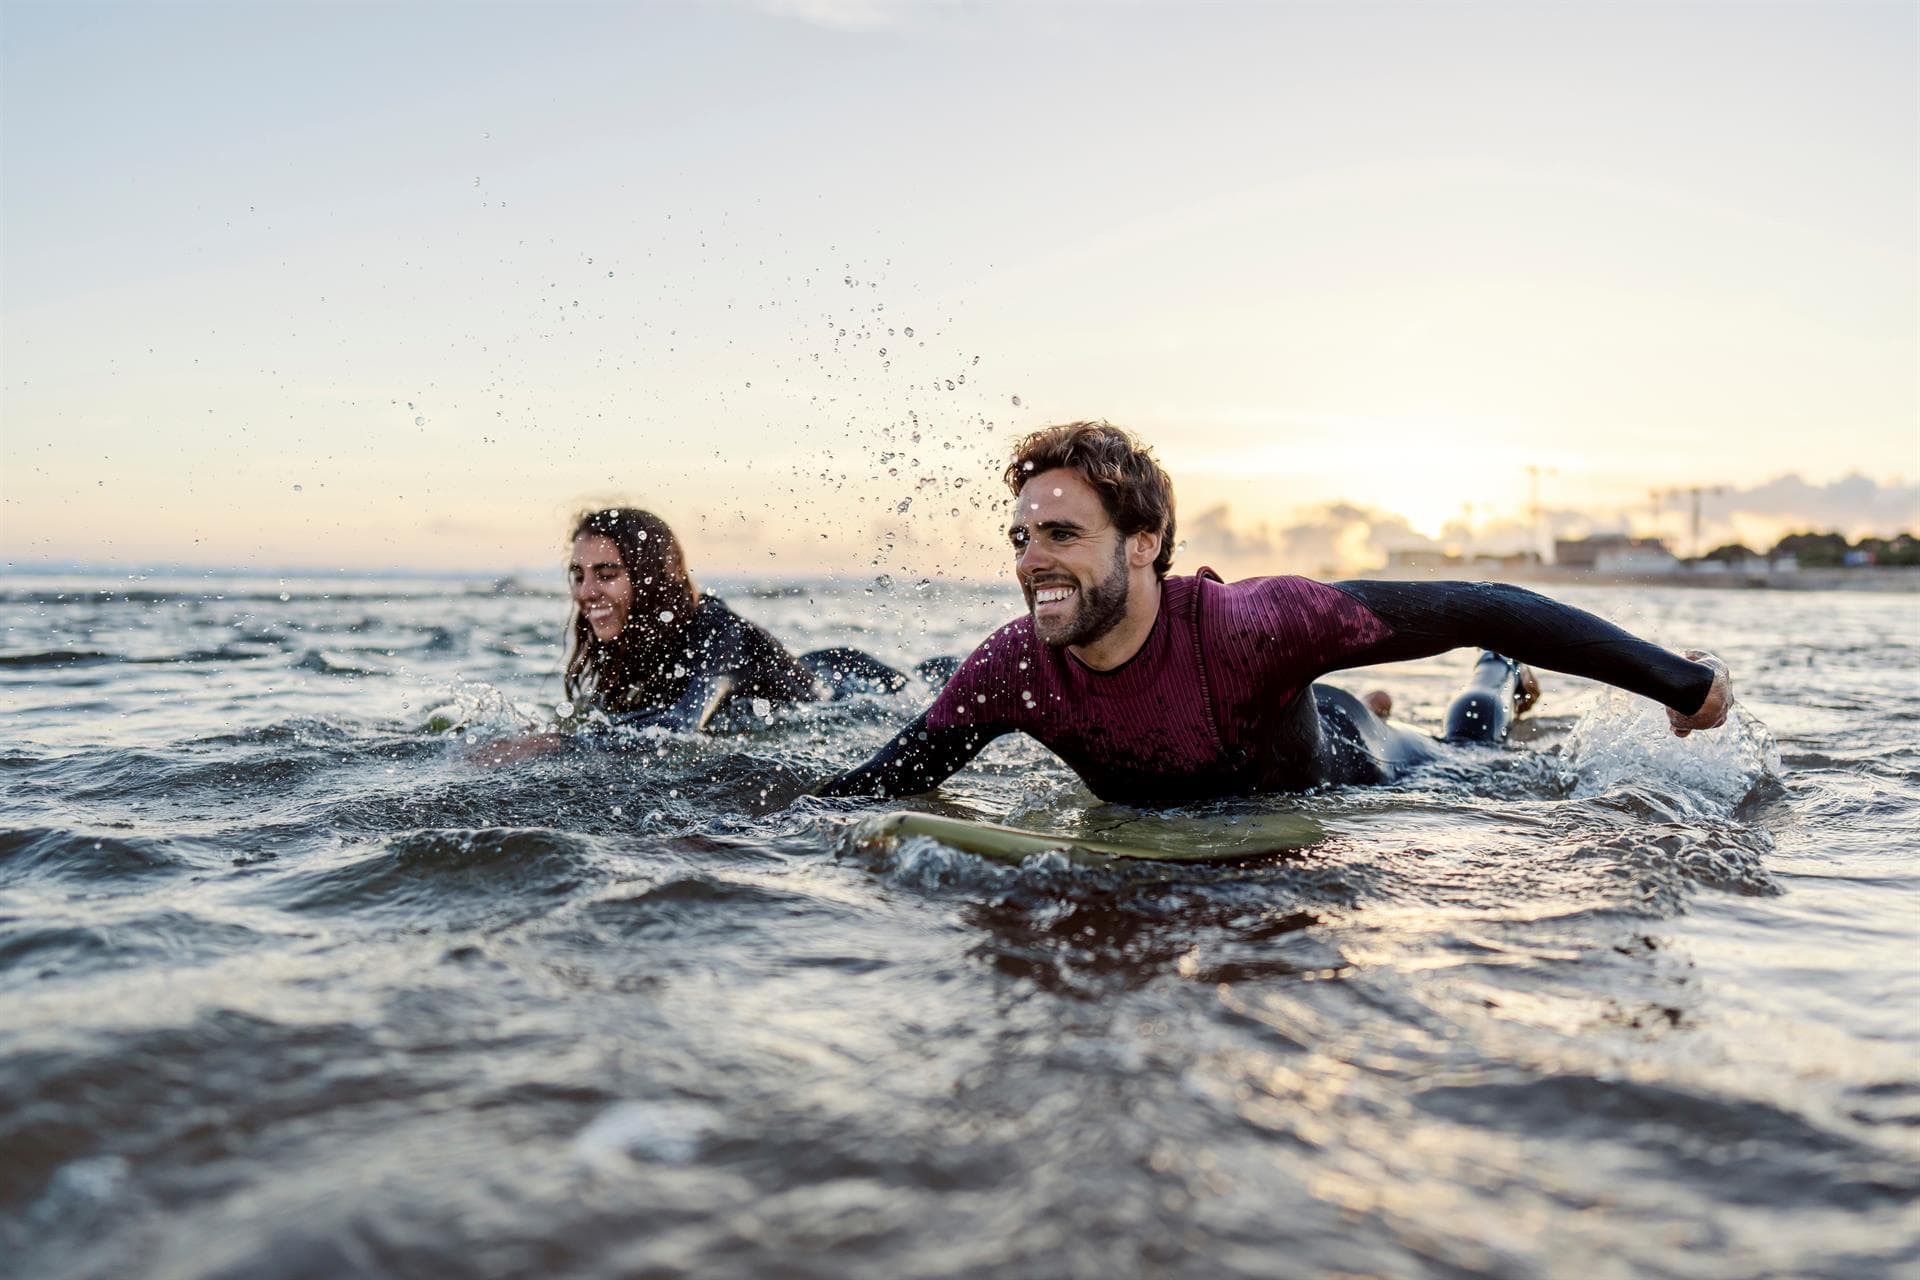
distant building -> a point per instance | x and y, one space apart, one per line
1729 560
1614 553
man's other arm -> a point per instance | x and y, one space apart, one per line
918 759
1432 617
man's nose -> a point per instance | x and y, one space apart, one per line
1031 554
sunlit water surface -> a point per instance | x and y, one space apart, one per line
290 987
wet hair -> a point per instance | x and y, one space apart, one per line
611 672
1133 488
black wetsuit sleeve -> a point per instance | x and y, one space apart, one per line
918 759
696 706
1433 617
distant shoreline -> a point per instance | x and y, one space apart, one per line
1859 578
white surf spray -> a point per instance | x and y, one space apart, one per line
1625 740
669 1132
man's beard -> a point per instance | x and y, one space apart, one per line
1100 607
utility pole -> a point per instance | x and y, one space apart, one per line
1694 493
1543 547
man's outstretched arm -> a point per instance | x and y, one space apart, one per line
918 759
1427 618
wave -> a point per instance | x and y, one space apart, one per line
446 878
58 658
68 658
39 950
690 901
337 664
303 594
1746 1151
34 853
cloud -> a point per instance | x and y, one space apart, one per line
1758 516
1853 503
1346 537
1339 537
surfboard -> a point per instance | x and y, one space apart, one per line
1145 838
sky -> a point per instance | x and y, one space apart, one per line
402 286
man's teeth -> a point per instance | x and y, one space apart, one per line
1051 595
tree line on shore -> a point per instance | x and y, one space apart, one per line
1829 551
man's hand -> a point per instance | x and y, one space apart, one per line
1713 712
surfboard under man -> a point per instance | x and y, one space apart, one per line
1161 689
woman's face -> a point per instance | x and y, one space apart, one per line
602 587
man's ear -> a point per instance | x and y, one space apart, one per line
1143 548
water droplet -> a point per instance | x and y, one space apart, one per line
762 708
909 331
1058 492
299 488
666 615
563 709
1016 402
419 421
902 505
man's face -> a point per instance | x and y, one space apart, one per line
1070 559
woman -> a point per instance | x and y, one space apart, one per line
646 646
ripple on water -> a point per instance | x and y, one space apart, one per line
690 903
79 941
444 878
54 853
1738 1150
63 658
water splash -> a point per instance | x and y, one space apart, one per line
670 1132
1624 740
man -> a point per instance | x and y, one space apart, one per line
1169 690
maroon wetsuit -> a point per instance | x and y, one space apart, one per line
1220 699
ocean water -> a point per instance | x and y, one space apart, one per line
291 986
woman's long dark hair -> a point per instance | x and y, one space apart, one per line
617 673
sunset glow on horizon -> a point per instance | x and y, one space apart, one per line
392 288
